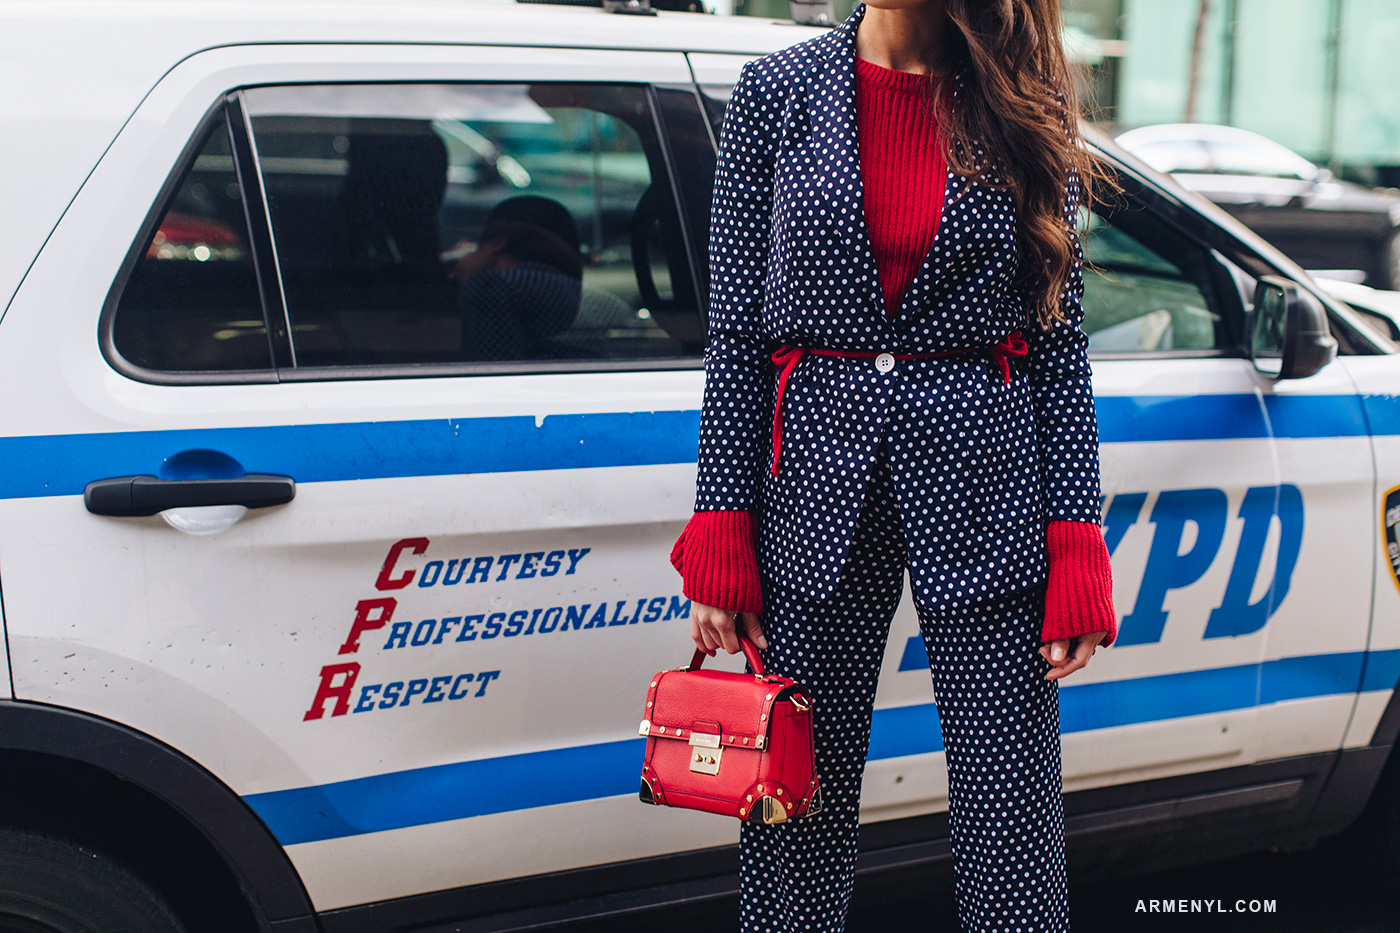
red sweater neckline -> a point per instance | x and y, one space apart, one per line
903 81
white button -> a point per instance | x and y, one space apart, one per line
884 362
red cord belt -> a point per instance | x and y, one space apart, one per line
786 359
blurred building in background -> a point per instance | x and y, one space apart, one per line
1318 76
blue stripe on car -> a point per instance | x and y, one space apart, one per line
608 769
63 464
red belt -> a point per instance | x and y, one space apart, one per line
786 359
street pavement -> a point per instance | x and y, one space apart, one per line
1333 888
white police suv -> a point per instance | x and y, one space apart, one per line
350 366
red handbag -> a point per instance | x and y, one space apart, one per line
734 744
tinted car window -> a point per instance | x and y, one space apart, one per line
472 223
1147 287
191 304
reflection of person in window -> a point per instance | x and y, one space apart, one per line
520 286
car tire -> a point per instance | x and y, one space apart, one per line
54 885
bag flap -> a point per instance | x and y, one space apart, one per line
735 707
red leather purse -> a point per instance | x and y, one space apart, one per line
734 744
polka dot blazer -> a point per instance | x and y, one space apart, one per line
980 464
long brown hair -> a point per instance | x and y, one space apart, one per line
1014 124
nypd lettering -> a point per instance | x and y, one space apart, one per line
1188 533
1169 567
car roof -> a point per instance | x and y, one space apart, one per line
1194 132
72 72
172 29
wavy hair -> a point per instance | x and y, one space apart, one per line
1014 125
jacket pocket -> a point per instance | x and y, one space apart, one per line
1004 462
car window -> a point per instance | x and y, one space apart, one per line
472 223
1147 287
191 301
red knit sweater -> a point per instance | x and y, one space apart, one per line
902 172
904 178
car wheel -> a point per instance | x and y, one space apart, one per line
53 885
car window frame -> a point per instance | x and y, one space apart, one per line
218 113
229 108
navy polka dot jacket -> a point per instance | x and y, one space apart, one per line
980 464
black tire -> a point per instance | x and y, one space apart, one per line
53 885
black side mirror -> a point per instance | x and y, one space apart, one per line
1288 333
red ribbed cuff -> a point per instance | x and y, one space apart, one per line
717 562
1079 593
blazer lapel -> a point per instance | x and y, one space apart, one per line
832 115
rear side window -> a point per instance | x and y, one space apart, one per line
191 302
420 228
472 223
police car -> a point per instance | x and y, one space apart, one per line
338 477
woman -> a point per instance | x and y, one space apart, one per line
897 380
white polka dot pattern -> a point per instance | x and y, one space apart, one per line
1000 723
979 466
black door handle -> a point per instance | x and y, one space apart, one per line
147 495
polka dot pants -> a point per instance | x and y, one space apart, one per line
1000 724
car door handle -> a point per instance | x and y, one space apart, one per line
147 495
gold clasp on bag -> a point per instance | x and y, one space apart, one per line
706 753
769 810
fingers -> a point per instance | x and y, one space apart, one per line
753 631
1055 651
728 635
1066 659
712 629
697 635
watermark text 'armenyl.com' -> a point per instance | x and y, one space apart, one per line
1199 906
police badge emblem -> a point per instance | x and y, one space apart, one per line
1390 522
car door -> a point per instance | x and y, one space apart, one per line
386 429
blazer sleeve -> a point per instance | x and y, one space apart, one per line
1067 433
733 442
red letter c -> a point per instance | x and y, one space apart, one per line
388 582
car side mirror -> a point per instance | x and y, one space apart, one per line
1288 333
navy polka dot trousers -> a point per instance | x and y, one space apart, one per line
1000 721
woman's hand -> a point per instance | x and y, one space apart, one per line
714 628
1065 655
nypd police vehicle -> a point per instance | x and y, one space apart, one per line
326 610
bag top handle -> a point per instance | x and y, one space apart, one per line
750 652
